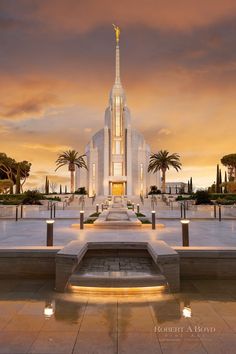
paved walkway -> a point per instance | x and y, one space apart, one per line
202 233
198 320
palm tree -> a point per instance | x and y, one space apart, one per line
162 161
71 159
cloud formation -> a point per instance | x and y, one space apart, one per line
178 66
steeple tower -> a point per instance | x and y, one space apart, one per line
117 31
117 80
117 89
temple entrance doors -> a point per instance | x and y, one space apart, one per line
117 188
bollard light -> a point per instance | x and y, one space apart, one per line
215 211
17 213
97 208
138 208
219 212
184 209
48 310
51 206
187 312
181 210
153 219
81 219
50 232
185 232
21 211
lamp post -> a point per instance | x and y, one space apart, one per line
81 219
21 211
51 206
50 232
138 209
97 208
17 213
219 212
215 211
153 219
185 232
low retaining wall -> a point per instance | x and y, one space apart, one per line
207 262
28 262
195 262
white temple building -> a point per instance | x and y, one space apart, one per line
117 155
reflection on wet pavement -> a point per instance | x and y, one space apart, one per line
35 319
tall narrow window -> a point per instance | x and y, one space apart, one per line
117 147
117 117
94 170
141 172
117 168
93 178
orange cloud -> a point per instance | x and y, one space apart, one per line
78 17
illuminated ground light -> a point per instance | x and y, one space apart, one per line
117 291
187 312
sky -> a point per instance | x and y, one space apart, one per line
178 67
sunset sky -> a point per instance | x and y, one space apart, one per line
178 67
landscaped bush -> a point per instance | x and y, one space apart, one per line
227 196
223 201
32 197
140 215
94 215
154 190
81 190
202 197
55 199
180 197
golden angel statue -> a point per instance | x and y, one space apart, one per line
117 30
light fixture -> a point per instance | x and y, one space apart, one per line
184 221
48 310
187 312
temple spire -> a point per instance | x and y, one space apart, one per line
117 32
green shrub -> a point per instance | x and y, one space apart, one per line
202 197
145 221
140 215
154 190
81 190
56 199
223 201
89 221
94 215
32 197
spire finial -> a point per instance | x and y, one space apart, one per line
117 31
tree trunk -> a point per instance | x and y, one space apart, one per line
72 181
163 182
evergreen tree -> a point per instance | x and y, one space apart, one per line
46 185
191 185
225 188
217 179
220 181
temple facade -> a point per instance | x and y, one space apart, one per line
117 155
